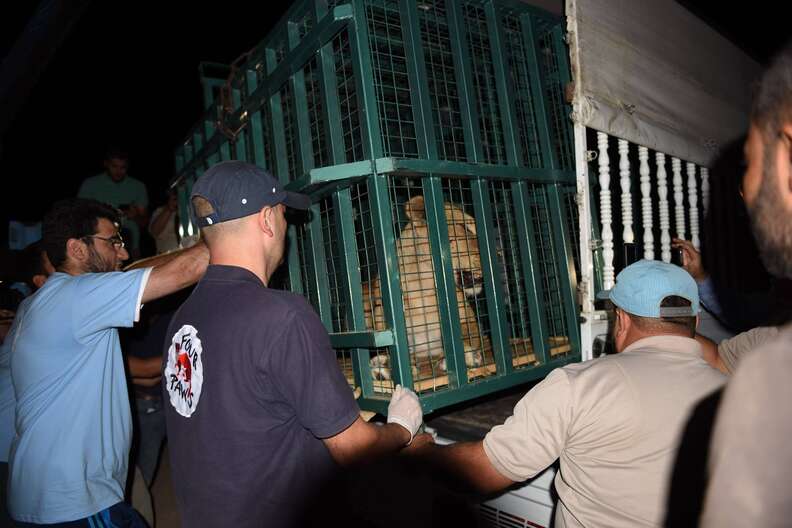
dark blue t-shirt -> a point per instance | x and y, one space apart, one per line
251 386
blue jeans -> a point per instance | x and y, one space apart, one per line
150 436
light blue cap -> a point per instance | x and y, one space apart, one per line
642 286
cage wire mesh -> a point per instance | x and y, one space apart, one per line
304 25
417 281
517 305
391 81
307 269
347 98
334 267
293 162
549 270
468 277
484 85
524 98
316 124
441 80
550 44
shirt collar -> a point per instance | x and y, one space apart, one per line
668 343
221 272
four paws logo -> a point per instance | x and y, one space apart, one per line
184 370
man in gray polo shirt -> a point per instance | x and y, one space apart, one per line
615 422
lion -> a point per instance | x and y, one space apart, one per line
419 296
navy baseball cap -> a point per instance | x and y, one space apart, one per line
236 189
641 287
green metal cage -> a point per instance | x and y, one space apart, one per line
433 137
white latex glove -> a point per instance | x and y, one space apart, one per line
405 409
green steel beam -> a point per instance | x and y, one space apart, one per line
319 258
530 269
445 281
240 150
388 268
346 245
491 269
418 79
530 45
443 398
345 171
562 247
281 165
362 339
364 81
329 94
293 262
302 122
504 88
564 78
467 96
456 168
254 125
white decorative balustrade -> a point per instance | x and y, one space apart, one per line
606 212
665 220
646 203
654 224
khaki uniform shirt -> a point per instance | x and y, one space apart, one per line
615 424
731 351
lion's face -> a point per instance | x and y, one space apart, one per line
462 240
465 259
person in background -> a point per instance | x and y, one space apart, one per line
164 225
114 186
33 269
142 347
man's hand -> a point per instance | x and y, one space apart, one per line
405 409
691 259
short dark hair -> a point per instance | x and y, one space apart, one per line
31 263
115 152
72 218
672 325
772 102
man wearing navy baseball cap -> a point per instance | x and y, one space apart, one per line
614 422
259 414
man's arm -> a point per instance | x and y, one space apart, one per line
709 351
465 462
175 271
363 441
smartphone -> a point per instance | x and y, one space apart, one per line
676 256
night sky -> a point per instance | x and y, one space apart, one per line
127 74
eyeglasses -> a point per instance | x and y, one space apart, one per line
116 240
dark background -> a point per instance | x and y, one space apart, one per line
126 73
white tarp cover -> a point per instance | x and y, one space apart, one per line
651 72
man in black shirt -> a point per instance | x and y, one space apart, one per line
259 415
